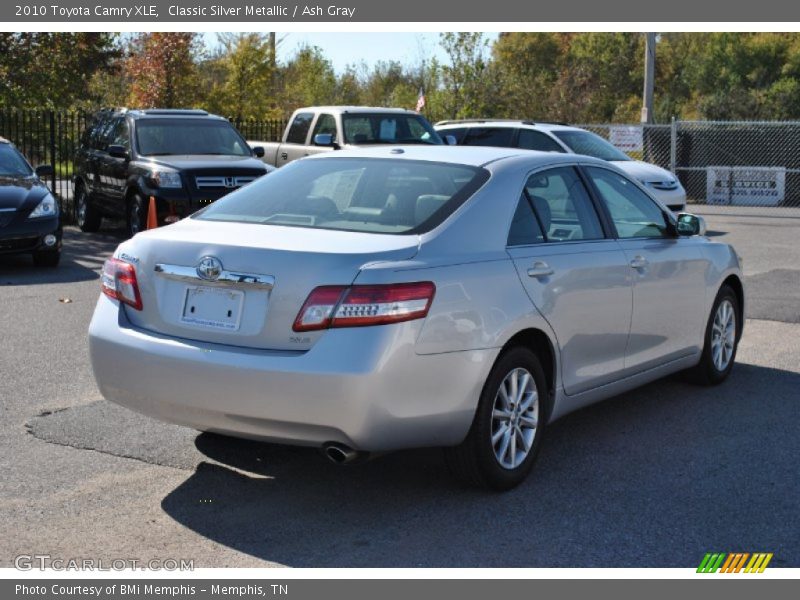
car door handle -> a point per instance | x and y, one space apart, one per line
540 269
639 262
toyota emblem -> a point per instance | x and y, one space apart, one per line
209 268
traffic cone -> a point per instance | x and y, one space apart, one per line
152 218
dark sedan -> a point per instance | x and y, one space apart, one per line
30 219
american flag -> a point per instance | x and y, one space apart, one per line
420 100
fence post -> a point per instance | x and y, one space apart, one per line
53 148
673 146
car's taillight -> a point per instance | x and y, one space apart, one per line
119 282
361 305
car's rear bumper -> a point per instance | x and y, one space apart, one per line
362 387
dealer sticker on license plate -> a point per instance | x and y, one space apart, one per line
217 308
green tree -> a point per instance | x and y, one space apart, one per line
308 79
467 85
54 70
246 62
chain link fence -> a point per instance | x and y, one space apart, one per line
728 163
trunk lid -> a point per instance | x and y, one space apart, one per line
272 270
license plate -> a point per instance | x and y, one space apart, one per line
216 308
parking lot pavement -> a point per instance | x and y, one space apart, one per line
655 477
768 239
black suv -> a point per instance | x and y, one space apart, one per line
185 159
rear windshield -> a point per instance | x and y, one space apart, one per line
372 195
156 137
388 129
590 144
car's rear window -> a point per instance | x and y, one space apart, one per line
381 128
375 195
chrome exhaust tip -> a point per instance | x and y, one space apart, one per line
341 454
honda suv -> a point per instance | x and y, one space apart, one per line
183 159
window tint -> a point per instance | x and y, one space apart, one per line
590 144
364 128
536 140
456 132
162 136
299 128
352 194
489 136
103 133
563 206
325 124
119 134
634 213
525 228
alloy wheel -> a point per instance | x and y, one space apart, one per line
515 417
723 335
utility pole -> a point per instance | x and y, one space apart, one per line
272 56
649 77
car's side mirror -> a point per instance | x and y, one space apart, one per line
450 140
258 151
117 151
325 139
45 171
689 224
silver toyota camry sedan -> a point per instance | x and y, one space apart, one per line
372 300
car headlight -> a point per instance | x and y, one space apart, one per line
47 207
166 179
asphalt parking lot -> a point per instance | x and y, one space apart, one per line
654 478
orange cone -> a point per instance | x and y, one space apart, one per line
152 218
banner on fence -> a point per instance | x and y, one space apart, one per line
745 186
627 138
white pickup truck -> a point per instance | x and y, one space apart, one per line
324 128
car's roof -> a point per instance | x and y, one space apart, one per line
158 113
356 109
506 123
475 156
4 140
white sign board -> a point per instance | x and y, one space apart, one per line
745 186
627 138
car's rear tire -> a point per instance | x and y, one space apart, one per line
137 215
721 339
503 442
47 258
86 216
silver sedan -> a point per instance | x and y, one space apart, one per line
372 300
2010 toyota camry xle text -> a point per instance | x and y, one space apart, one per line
373 300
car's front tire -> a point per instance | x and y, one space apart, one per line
723 331
503 442
86 216
137 215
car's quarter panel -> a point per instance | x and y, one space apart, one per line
479 303
363 387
